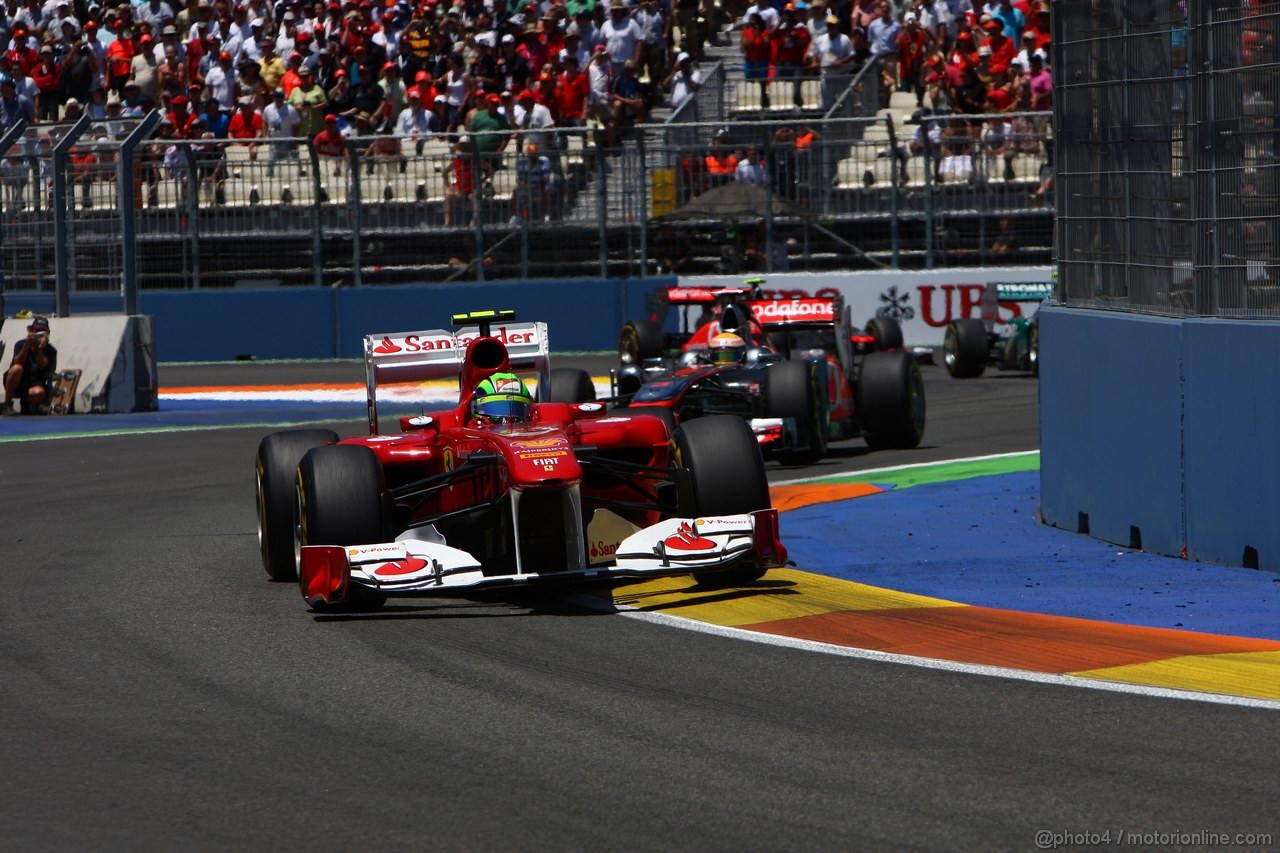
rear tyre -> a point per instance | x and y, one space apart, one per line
571 385
890 400
638 340
662 413
276 467
792 391
887 332
965 348
728 476
339 502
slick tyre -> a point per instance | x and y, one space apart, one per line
571 385
792 391
339 502
276 467
638 340
887 332
728 477
890 401
1033 349
965 348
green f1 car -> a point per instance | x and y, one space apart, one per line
969 345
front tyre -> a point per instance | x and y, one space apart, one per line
638 340
339 502
890 401
965 348
887 332
728 477
571 385
792 391
275 468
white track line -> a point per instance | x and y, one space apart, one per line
946 665
908 467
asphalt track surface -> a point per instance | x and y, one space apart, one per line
160 693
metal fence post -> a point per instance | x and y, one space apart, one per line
768 201
317 217
128 217
62 258
644 205
602 205
477 219
192 206
11 136
929 154
896 167
353 215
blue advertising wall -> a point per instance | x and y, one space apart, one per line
311 322
1164 425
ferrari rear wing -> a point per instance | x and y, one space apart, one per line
438 354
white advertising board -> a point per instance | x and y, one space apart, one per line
923 302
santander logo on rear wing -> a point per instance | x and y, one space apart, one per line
772 311
438 353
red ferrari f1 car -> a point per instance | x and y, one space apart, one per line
460 499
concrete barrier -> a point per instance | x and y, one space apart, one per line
1157 433
310 322
114 353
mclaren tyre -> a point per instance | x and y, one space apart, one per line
890 400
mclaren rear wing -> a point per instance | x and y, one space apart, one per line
436 354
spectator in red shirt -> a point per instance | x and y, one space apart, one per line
1003 49
571 94
790 41
291 78
180 118
460 180
914 44
331 144
48 79
1039 26
246 124
756 53
120 55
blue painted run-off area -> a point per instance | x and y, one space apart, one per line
978 542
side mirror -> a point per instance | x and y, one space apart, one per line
417 423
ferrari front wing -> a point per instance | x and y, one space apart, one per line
414 567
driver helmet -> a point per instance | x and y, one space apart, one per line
502 398
728 348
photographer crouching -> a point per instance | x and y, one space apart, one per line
29 378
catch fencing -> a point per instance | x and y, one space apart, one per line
121 203
1167 143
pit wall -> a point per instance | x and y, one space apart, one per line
1159 433
324 322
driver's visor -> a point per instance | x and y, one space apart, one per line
504 406
725 356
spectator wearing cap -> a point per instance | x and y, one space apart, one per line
79 66
1003 49
600 93
622 38
790 42
488 128
291 77
1039 25
914 45
835 61
311 103
393 90
246 126
534 121
883 34
484 66
281 121
629 105
28 378
220 83
169 38
342 98
48 79
415 46
251 42
215 120
535 185
460 185
13 106
414 123
330 144
683 81
179 116
143 68
512 68
120 55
